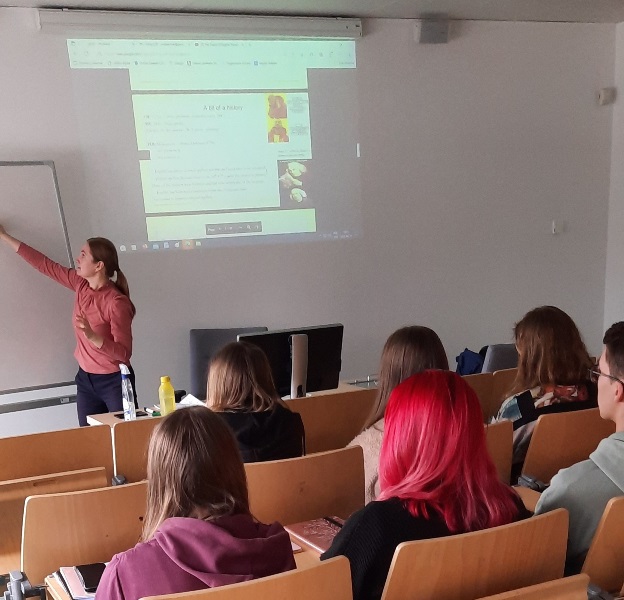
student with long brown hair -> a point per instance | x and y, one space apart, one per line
241 390
407 351
198 532
103 314
436 479
552 376
584 489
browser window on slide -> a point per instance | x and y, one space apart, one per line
211 142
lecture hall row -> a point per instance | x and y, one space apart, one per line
55 526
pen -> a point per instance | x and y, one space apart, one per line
333 522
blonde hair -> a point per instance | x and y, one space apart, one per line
550 350
239 378
407 351
194 469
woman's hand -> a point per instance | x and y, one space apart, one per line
10 240
85 327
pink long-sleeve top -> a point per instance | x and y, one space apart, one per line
108 311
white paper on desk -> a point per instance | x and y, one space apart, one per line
75 587
190 400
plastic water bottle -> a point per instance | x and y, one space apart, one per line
127 395
166 395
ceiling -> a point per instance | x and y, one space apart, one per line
583 11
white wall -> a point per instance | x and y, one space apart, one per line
480 144
469 150
614 289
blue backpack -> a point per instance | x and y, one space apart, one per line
470 362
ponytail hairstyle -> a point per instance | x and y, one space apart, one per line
434 456
104 251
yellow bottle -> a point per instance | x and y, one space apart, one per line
166 395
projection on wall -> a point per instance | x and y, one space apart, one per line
196 143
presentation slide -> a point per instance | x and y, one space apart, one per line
204 142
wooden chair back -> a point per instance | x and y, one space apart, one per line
499 440
481 383
604 562
333 419
501 384
13 494
567 588
56 452
563 439
130 442
80 527
481 563
298 489
327 580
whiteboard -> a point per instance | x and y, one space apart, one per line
36 330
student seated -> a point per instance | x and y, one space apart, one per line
585 488
198 532
436 479
407 351
241 390
552 374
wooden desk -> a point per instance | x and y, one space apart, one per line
528 496
109 419
343 386
307 557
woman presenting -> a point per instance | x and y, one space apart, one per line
102 319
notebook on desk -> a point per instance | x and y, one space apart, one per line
81 581
317 533
68 577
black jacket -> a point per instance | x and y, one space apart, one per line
370 536
268 435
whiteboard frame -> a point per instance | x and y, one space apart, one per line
70 258
50 164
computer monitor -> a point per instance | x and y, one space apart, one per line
324 355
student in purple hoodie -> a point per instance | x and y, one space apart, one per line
198 531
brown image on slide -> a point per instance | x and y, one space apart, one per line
277 106
278 134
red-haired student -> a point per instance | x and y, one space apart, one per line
436 479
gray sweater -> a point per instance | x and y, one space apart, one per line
584 489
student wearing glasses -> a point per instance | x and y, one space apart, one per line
585 488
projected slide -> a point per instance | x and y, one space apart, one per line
214 141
